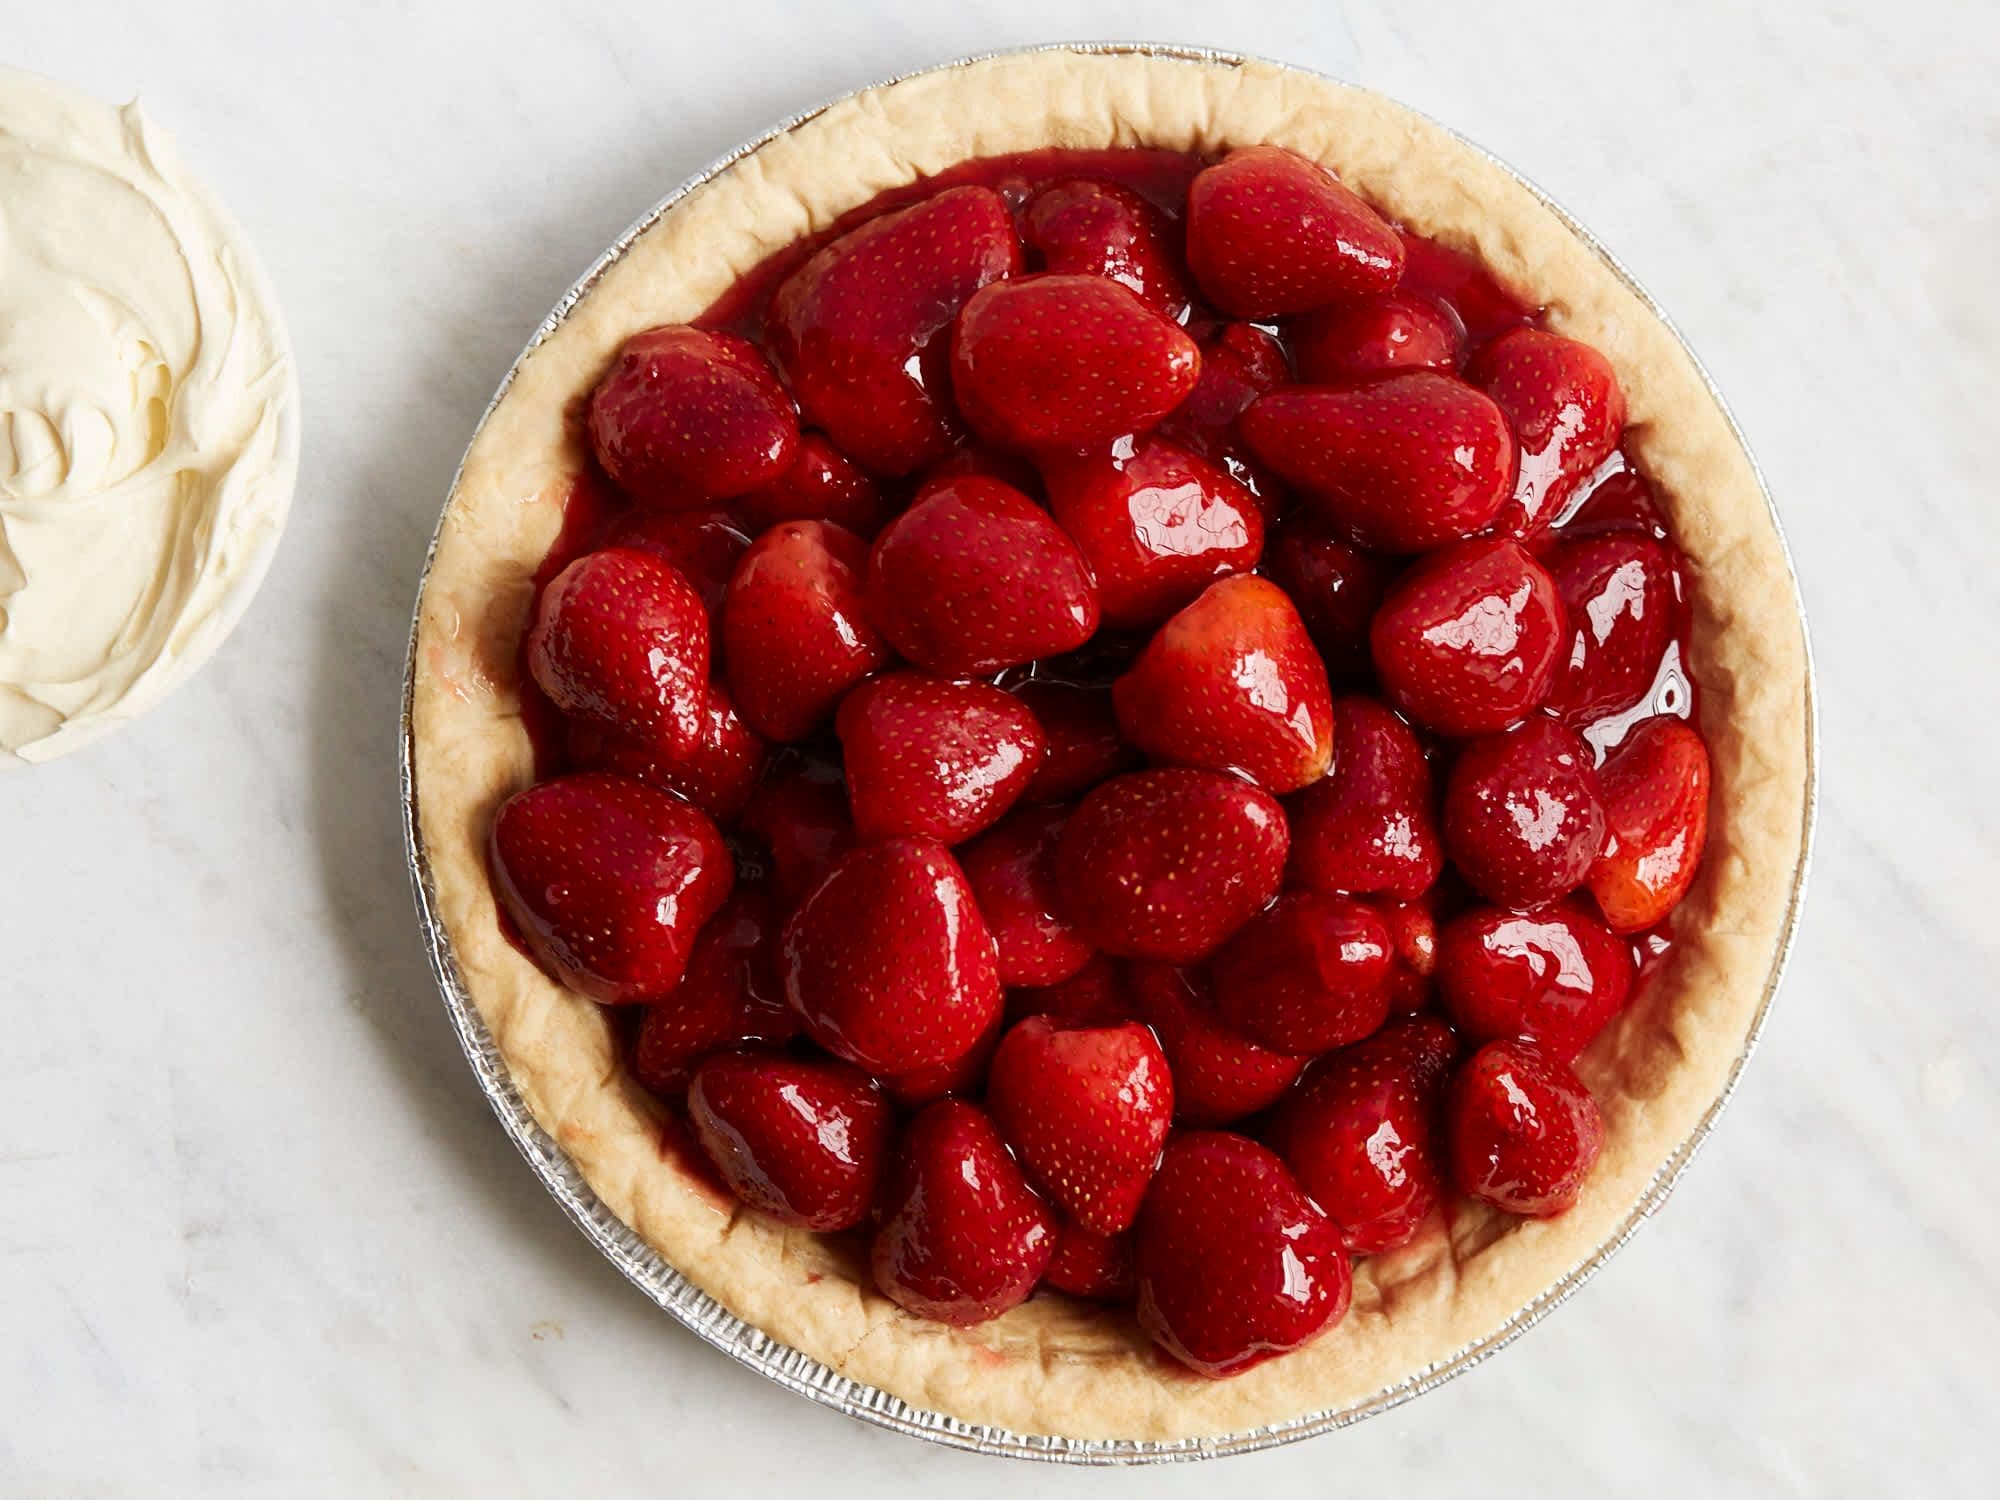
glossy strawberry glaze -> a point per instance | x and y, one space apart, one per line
1616 498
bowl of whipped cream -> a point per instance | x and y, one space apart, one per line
149 419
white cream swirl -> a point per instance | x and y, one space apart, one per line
148 419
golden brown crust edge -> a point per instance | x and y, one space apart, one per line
1054 1366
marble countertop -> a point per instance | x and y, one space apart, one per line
259 1233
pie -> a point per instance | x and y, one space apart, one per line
732 724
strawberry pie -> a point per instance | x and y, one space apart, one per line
1116 742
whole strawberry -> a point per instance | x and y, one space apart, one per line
1156 523
1401 464
1554 976
1082 732
717 773
701 545
800 813
1084 226
974 577
1094 1266
1220 1075
621 638
1468 640
689 415
1655 790
1335 586
1627 605
1308 973
1239 362
887 960
963 1236
1235 1263
1066 361
934 758
794 631
1087 1109
1566 409
1360 1132
608 880
1523 817
801 1140
1232 683
862 328
1095 995
1011 869
1370 825
1270 233
729 995
1168 863
822 484
1523 1130
1371 336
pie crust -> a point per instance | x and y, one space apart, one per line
1055 1366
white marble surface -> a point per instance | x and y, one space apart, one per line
258 1233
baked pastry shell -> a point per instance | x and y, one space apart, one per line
1058 1379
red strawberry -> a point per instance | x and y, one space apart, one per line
620 637
688 415
1155 523
1566 410
1468 640
1336 588
823 484
1413 937
888 961
1220 1075
964 1074
1066 361
1306 974
1523 1131
983 461
801 1140
729 995
1168 863
608 880
1270 233
800 812
794 633
1011 869
1094 1266
1377 336
1371 824
862 328
703 545
1523 817
1093 996
974 577
1655 789
935 758
1463 282
1232 683
1401 464
1626 605
1239 362
1554 976
963 1237
717 773
1084 227
1236 1264
1082 731
1087 1109
1361 1134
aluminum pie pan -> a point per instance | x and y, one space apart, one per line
707 1318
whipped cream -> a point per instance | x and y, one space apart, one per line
148 419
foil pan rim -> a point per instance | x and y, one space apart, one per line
796 1371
